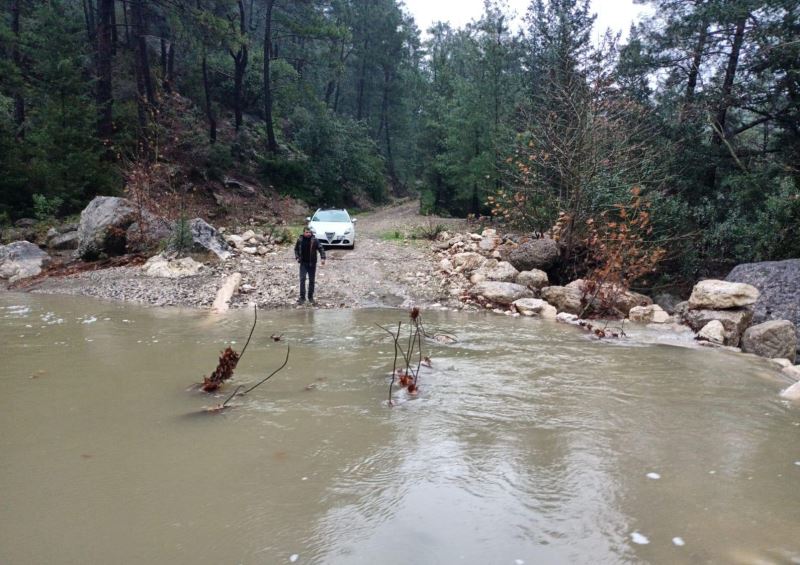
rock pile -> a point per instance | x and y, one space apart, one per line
251 242
489 271
728 304
721 312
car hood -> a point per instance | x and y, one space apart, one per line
336 227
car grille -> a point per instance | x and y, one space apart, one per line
329 235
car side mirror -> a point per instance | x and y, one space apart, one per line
308 218
354 220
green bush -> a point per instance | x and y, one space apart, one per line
46 208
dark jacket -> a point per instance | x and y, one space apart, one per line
315 248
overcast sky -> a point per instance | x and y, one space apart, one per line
614 14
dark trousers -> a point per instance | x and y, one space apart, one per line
309 269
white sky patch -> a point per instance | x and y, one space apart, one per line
616 15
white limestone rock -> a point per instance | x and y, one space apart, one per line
721 295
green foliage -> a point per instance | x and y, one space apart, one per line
343 163
181 240
287 173
429 231
45 208
59 157
219 160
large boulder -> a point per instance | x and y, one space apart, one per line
535 307
721 295
734 321
468 261
62 241
619 299
501 292
564 298
148 232
534 254
503 271
667 301
171 268
205 239
776 338
20 260
713 332
533 279
489 241
792 393
652 313
626 300
779 285
103 227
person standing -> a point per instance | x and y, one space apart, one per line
305 251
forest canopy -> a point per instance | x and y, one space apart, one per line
347 102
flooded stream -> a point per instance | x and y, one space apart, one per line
530 443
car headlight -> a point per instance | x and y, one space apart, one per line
348 231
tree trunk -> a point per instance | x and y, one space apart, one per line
697 57
239 70
88 17
114 36
125 23
725 96
272 144
163 61
166 55
19 100
362 82
384 126
105 46
362 75
143 60
212 121
171 65
730 75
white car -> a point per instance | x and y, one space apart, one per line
333 227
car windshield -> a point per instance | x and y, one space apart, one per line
331 216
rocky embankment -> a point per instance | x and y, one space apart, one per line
508 275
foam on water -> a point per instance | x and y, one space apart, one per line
90 320
654 476
678 541
639 539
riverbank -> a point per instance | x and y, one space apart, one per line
387 268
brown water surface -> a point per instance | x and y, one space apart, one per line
530 443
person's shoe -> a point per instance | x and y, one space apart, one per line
311 301
301 301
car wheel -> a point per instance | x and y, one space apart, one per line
352 245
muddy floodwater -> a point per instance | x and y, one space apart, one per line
530 443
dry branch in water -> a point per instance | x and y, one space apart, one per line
227 362
407 376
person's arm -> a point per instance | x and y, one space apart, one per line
321 251
297 250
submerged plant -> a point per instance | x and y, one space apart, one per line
407 377
228 360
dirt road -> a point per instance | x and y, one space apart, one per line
382 270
